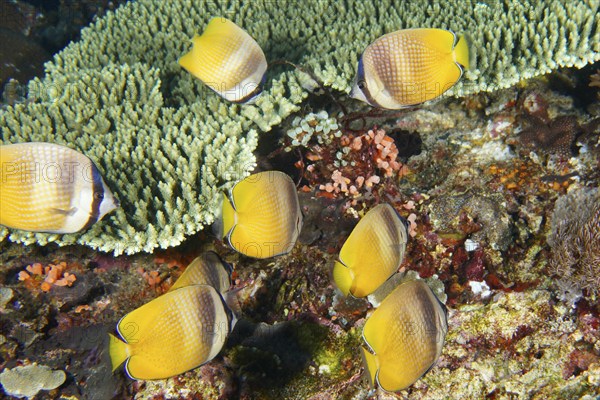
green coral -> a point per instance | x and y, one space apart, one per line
167 145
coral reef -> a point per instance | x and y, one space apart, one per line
121 80
503 218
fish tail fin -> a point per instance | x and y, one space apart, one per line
217 226
117 350
189 60
227 217
343 277
232 301
370 362
461 52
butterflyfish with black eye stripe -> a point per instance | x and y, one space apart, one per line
261 217
228 60
207 269
409 67
178 331
404 336
47 187
372 253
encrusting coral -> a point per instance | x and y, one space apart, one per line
167 145
27 381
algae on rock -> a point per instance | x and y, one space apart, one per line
167 145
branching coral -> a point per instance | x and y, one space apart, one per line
575 239
167 145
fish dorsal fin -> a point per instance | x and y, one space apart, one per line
207 269
218 27
439 40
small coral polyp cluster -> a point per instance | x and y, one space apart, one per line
45 277
349 164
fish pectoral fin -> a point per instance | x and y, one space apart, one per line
70 212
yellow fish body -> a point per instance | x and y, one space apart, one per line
176 332
405 336
208 269
46 187
261 218
228 60
372 252
409 67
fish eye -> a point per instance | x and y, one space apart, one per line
99 195
361 84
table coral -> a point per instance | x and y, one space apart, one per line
167 146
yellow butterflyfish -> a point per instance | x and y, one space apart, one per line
261 218
410 66
178 331
228 60
404 336
372 252
47 187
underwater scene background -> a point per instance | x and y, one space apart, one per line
495 181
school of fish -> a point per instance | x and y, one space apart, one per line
47 187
